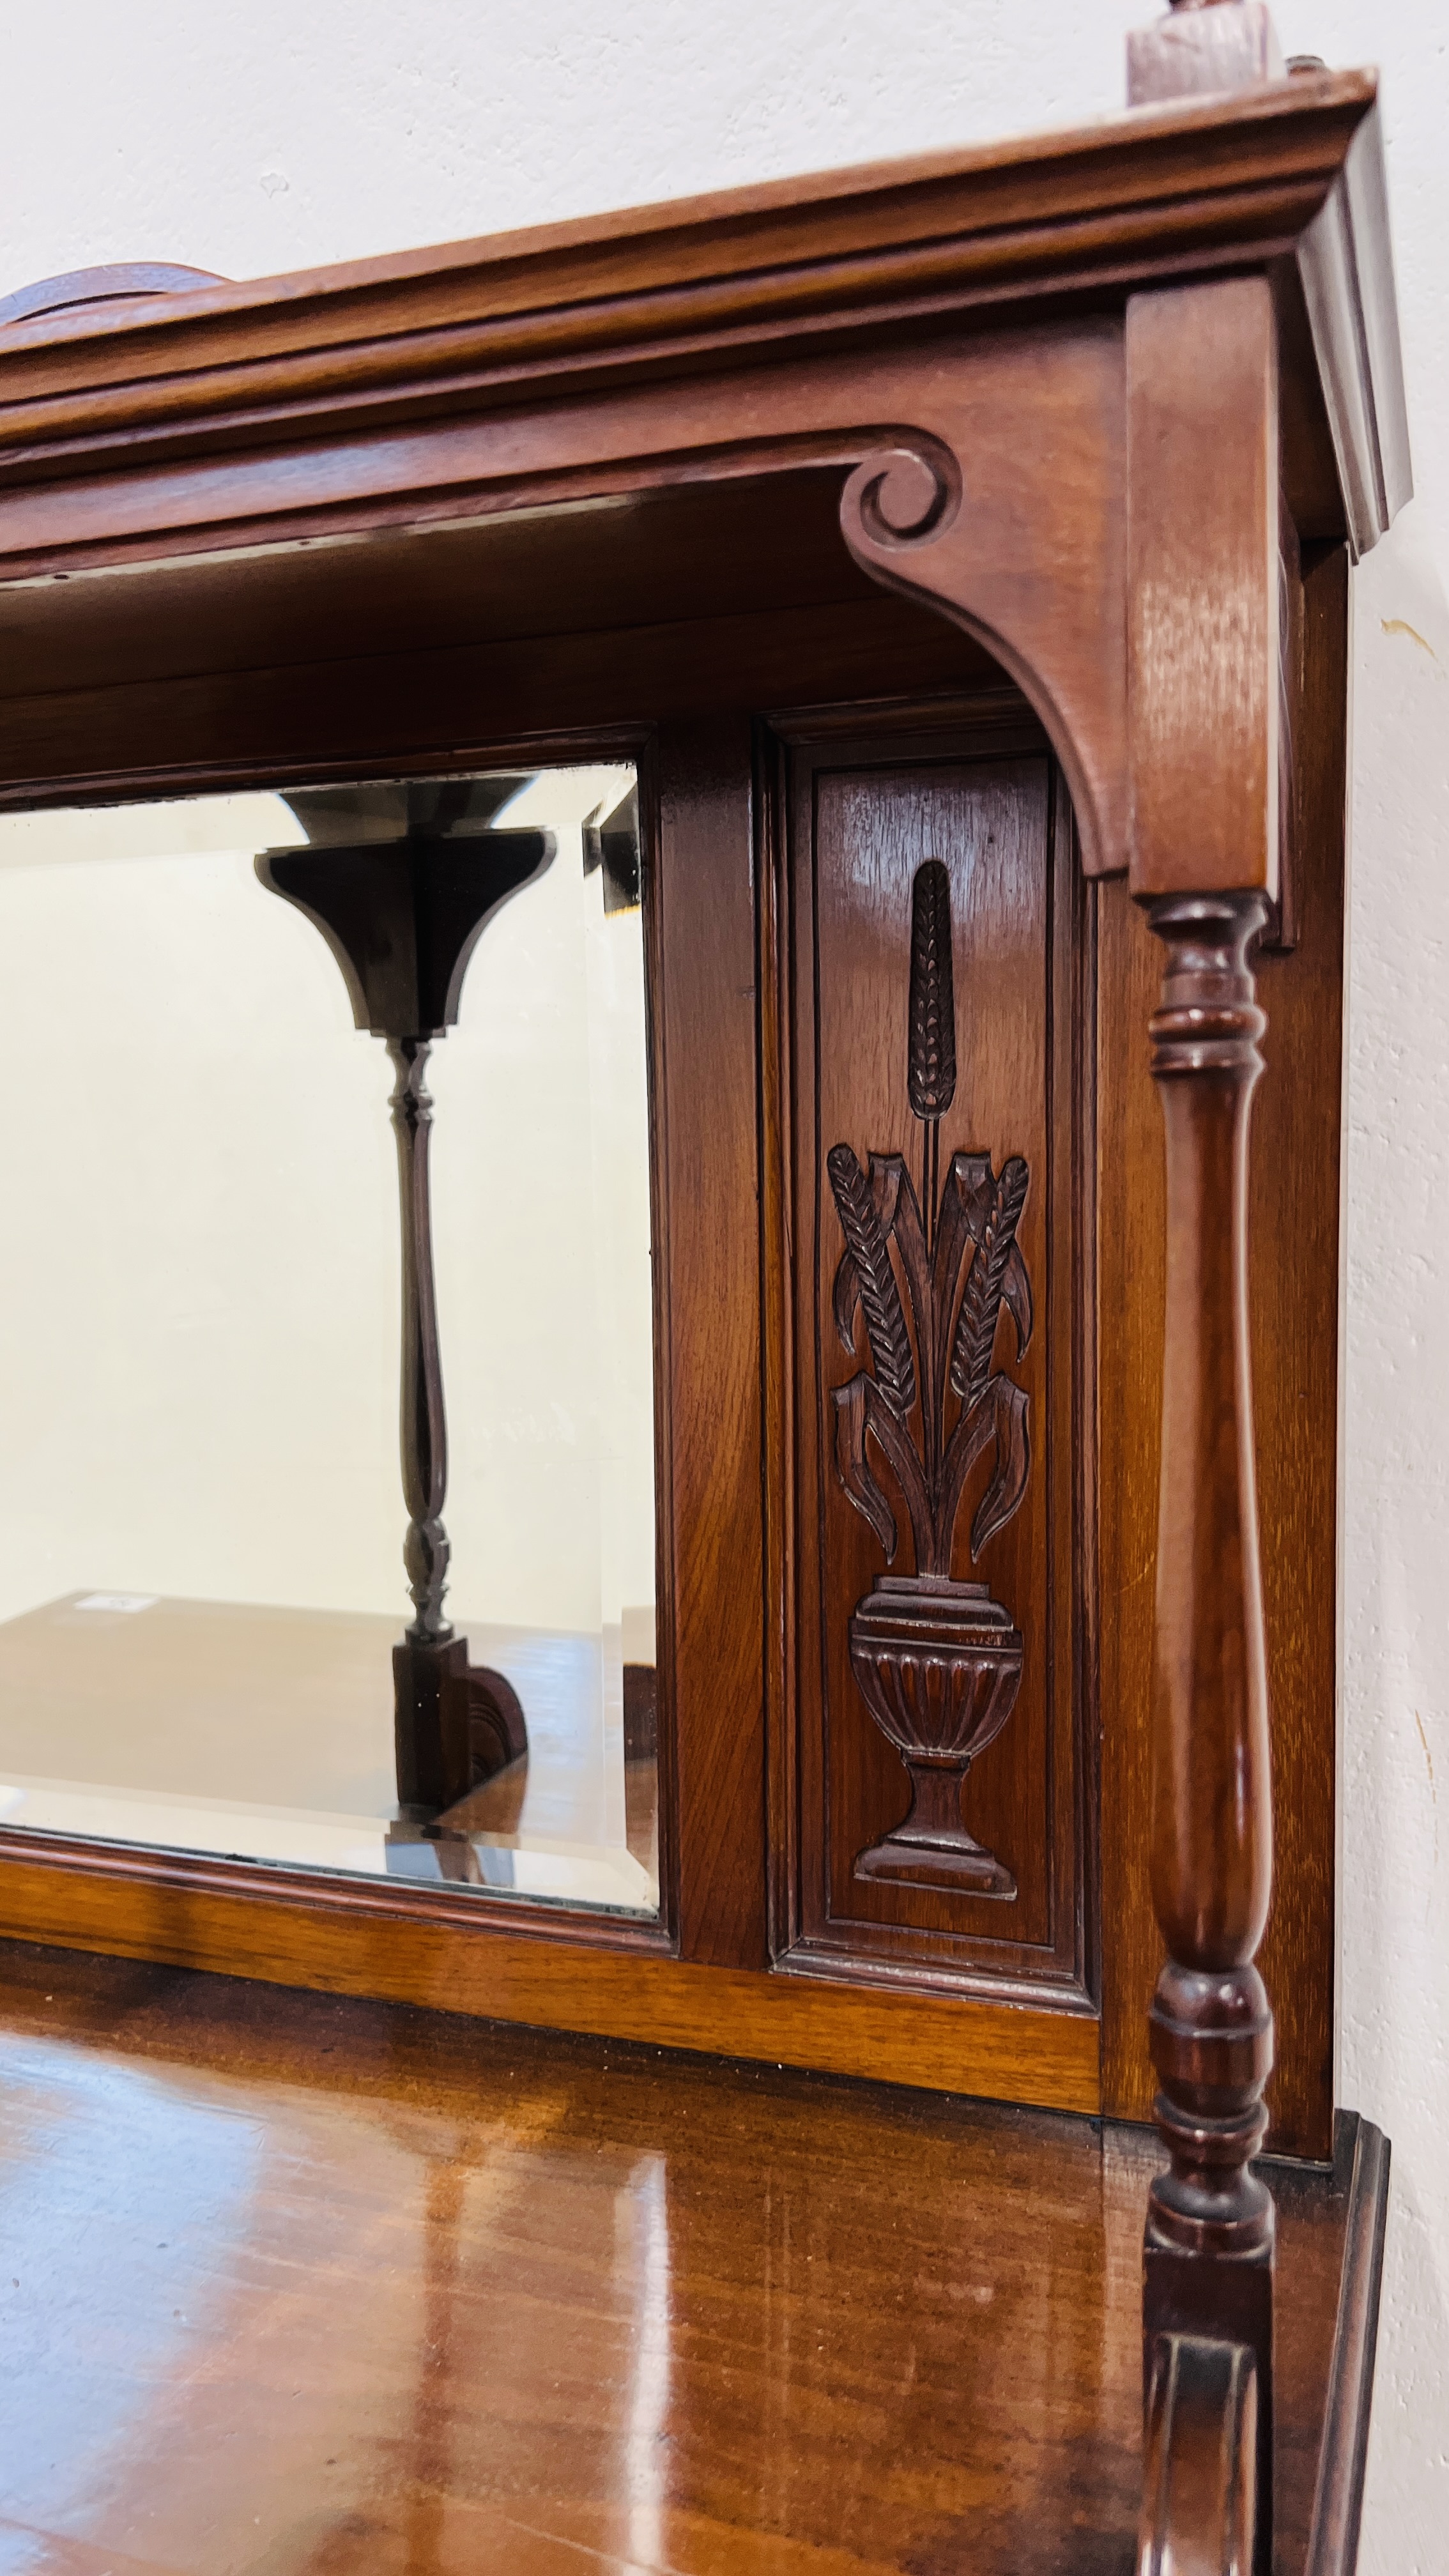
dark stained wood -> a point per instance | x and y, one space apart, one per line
841 255
1343 2452
618 2309
1131 1229
504 701
949 345
669 555
1065 394
707 1264
864 813
1033 571
1038 581
1208 2252
1200 2456
1202 567
1294 1254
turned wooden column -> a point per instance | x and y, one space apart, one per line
1208 2253
1206 748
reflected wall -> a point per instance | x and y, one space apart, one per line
200 1509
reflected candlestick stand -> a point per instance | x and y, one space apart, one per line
402 878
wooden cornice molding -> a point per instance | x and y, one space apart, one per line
682 288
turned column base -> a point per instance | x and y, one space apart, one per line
1207 2254
1224 2299
454 1723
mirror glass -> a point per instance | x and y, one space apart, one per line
252 1603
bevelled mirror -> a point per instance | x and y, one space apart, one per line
227 1625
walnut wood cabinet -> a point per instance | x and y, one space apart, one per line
960 549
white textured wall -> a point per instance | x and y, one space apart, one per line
198 1236
268 136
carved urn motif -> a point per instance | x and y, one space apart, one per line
938 1662
939 1667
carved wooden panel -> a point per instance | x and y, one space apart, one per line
933 1487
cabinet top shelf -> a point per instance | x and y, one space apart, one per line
964 237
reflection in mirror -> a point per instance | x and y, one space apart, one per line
225 1625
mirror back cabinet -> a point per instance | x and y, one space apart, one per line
959 551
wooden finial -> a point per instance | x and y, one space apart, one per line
1201 47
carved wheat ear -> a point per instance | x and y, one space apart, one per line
985 1280
931 1076
885 1322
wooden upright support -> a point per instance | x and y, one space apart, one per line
1203 701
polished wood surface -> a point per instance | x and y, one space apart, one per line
530 411
723 1603
1202 566
382 344
1200 2454
576 1971
706 1235
309 2286
858 814
1343 2452
1293 1257
1208 2250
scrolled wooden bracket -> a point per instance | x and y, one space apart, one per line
1199 2488
982 525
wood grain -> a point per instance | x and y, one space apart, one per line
384 2291
864 814
516 696
192 1914
1202 588
1216 183
1343 2452
707 1261
1208 2246
1293 1237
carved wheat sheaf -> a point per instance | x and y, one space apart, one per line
981 1303
885 1322
931 1078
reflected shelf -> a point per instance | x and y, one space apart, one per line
263 1735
